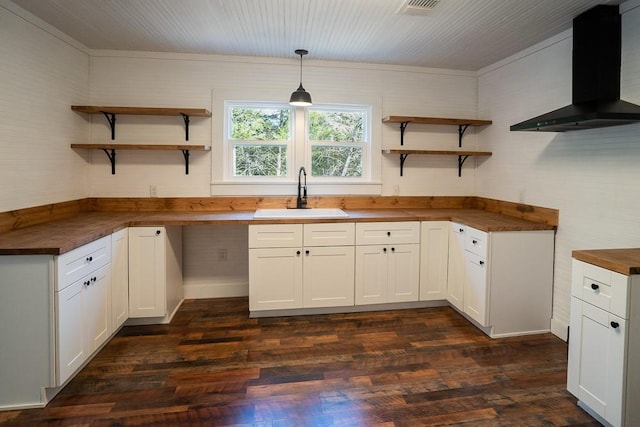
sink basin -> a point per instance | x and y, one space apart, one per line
300 213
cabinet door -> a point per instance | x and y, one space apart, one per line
97 308
147 287
328 276
275 278
434 260
119 278
403 277
475 288
455 268
597 359
371 274
70 336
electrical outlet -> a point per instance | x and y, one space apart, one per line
222 254
153 190
396 190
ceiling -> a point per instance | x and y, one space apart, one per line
455 34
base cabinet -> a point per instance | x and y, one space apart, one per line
434 260
387 265
603 372
456 266
119 278
301 266
155 271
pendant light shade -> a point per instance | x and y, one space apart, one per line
300 98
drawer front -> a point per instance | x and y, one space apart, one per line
476 241
603 288
330 234
81 261
275 236
382 233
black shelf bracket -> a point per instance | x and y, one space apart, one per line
461 130
403 157
186 127
111 154
403 126
461 160
185 153
111 118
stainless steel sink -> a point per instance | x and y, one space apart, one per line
300 213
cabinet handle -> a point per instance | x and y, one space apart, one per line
297 252
481 262
461 230
384 250
89 258
595 287
93 279
475 242
615 325
393 249
306 252
158 232
388 233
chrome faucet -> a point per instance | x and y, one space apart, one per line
301 202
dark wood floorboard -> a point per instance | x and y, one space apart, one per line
214 366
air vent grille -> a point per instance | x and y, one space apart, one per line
417 7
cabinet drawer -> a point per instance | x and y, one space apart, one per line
275 236
81 261
603 288
382 233
476 241
331 234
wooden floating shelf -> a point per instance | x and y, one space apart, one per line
111 112
142 111
436 121
110 150
462 155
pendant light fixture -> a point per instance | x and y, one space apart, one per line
300 98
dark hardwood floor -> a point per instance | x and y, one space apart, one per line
213 366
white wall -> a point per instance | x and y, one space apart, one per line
591 176
41 74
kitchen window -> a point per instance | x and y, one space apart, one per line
258 146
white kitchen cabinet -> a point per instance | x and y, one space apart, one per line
456 265
155 272
507 279
604 347
434 260
301 266
387 262
71 343
119 278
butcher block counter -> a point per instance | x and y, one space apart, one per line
101 217
623 261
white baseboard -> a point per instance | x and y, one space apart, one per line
215 290
560 329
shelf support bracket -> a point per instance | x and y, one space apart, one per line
186 126
461 130
111 118
461 160
403 126
111 154
185 153
403 157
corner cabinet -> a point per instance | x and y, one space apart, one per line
111 113
462 124
604 345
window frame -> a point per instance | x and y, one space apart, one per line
229 144
366 143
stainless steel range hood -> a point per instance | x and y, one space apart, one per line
596 78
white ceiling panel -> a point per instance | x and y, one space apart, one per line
454 34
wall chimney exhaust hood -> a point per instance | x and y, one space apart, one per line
596 78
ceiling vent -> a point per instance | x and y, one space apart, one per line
417 7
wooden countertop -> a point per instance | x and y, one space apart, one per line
623 261
58 237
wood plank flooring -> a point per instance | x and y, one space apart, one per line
213 366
